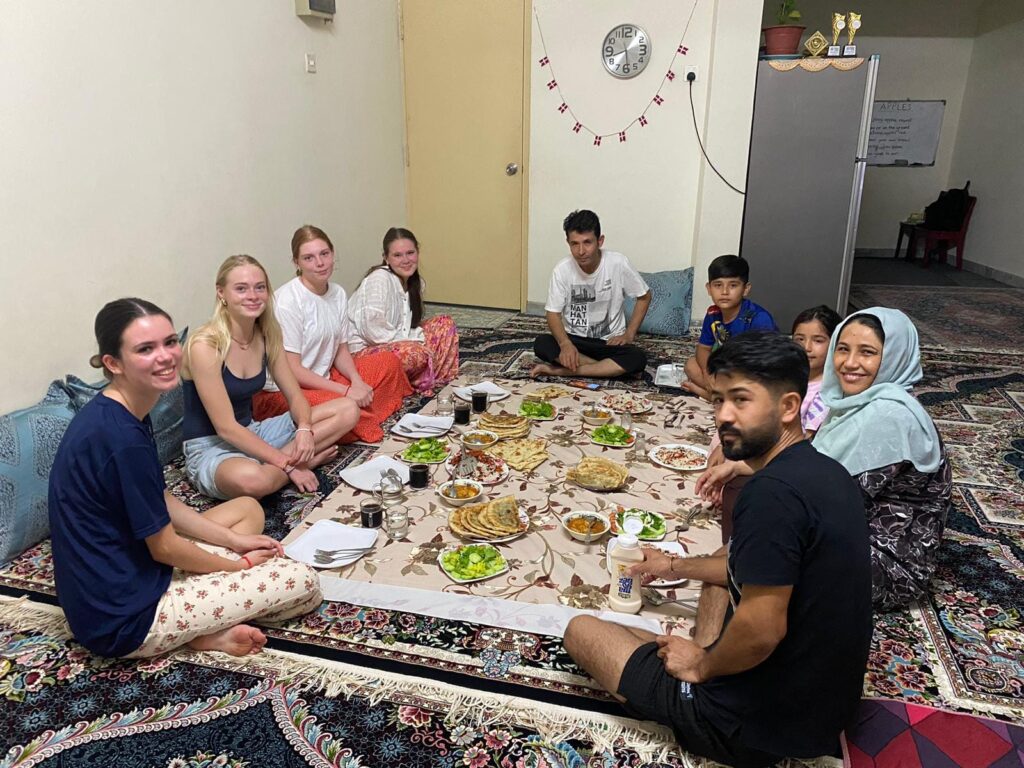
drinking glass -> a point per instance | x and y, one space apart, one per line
626 421
479 402
396 523
445 406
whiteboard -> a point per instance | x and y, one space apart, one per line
905 133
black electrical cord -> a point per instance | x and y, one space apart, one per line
690 77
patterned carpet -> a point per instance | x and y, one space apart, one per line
62 706
962 649
954 317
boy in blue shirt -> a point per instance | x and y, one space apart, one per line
732 314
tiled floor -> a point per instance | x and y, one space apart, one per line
875 271
471 317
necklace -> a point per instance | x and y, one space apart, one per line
245 344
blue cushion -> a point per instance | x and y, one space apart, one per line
671 297
28 445
166 415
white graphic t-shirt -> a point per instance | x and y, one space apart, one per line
591 305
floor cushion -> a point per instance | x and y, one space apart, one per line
28 445
671 297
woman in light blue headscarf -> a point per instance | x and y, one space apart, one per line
882 435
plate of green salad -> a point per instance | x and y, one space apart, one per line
427 450
538 410
613 436
471 562
654 524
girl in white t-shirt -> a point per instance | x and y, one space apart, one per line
312 313
386 312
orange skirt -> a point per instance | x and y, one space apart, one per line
382 372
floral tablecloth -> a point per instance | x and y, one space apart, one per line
547 566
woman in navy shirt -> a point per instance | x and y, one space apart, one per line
129 581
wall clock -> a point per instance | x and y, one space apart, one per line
626 51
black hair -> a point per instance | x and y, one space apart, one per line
111 322
767 357
869 321
582 221
729 265
825 315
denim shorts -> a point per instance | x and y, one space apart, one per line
204 454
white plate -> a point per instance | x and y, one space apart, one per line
651 454
452 548
641 404
401 455
613 445
366 476
494 392
450 465
329 534
422 426
670 375
671 547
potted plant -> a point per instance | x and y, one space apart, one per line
784 39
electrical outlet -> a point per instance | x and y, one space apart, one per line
311 63
694 71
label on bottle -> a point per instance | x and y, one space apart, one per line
624 583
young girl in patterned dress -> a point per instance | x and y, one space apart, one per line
128 579
312 313
387 313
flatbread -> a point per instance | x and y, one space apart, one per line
523 454
550 392
489 521
505 425
598 473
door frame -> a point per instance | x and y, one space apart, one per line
524 169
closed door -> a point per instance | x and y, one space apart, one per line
465 147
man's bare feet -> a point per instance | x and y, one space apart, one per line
239 640
543 369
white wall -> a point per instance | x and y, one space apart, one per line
656 203
989 150
145 142
913 68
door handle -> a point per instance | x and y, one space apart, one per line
511 169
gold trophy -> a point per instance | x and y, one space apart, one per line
853 24
816 44
838 24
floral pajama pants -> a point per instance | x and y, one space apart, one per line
429 364
200 604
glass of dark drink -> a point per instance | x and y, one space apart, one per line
462 413
479 402
419 475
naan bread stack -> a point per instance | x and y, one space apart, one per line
598 474
523 454
498 519
550 392
505 425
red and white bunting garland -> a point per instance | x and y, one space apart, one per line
642 120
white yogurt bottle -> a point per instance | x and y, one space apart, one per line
624 595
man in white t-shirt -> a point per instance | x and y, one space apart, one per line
589 333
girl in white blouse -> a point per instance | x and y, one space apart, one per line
386 312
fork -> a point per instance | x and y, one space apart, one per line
333 554
416 429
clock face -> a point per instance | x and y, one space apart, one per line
626 50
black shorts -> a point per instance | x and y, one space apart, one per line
651 693
629 358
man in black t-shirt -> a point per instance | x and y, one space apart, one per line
784 676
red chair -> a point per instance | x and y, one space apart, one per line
936 241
